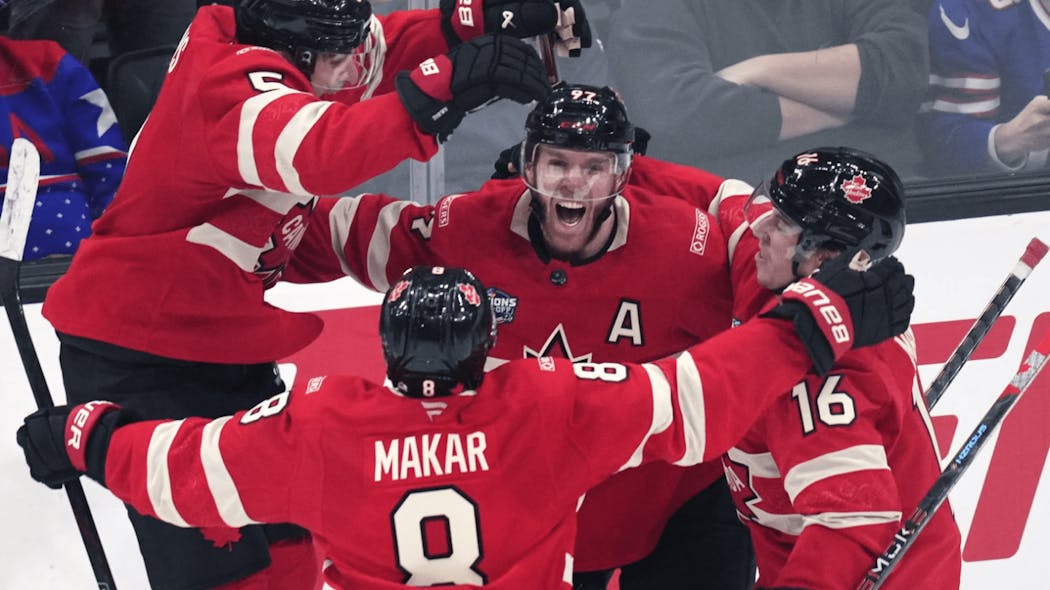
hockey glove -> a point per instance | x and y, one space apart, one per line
443 89
507 163
463 20
839 308
62 442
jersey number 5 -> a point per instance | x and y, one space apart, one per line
834 408
437 538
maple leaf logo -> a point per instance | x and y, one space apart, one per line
856 190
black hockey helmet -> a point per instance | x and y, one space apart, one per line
842 198
437 327
303 28
580 117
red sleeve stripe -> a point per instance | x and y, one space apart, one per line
848 460
220 482
98 154
289 140
158 478
691 400
663 413
241 253
246 157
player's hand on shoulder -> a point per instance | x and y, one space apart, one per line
62 442
847 304
443 89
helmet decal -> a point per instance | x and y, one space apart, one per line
856 189
470 293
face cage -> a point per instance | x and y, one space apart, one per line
548 181
366 61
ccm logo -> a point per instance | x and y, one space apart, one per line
820 301
76 427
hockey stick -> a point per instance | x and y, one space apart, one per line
546 47
22 179
962 460
1034 253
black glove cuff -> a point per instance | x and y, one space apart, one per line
433 116
98 444
447 7
809 333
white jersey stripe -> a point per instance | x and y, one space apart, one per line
759 464
289 140
223 489
966 82
340 219
662 412
275 201
848 460
241 253
158 481
845 520
790 524
691 399
966 108
246 163
379 245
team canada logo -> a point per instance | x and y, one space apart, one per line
470 294
856 189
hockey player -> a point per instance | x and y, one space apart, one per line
581 264
163 309
447 476
827 471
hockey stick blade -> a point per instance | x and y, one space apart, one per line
23 177
942 486
1033 254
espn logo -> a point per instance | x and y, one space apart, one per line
817 300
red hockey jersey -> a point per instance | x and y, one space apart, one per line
661 287
476 489
220 189
827 472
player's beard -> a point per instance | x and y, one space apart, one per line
572 230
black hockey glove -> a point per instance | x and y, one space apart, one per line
62 442
507 163
443 89
839 308
463 20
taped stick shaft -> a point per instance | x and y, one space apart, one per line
1033 254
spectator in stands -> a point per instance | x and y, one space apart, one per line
733 85
988 109
130 24
53 101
